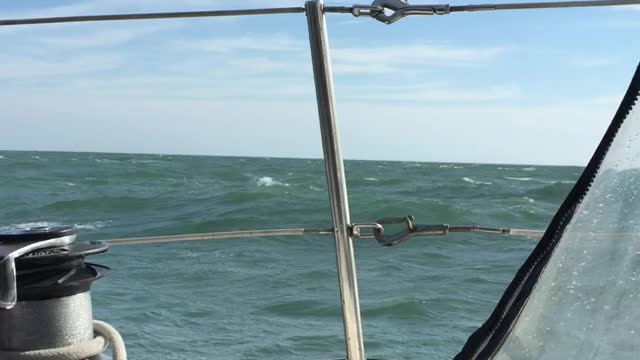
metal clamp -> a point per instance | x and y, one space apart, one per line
401 8
410 231
356 230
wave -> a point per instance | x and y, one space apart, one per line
540 180
68 183
268 181
550 192
147 161
475 182
96 225
2 157
93 226
519 178
103 203
27 225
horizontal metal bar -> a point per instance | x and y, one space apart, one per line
541 5
356 10
496 231
526 233
159 15
217 236
339 9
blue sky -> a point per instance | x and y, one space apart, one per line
499 87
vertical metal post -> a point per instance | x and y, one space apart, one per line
334 168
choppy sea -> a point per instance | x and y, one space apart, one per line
277 298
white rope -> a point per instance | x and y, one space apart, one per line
105 335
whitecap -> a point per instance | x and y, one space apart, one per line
528 169
37 158
540 180
134 161
315 188
519 178
370 179
458 167
26 226
445 166
2 157
96 225
530 200
268 181
471 181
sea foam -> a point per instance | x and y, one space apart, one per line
268 181
471 181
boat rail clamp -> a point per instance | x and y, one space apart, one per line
356 230
400 8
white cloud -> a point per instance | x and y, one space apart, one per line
610 100
394 58
21 68
263 42
628 8
592 62
102 37
533 134
436 94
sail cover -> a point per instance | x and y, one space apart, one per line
578 294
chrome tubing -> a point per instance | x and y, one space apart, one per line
337 188
216 236
146 16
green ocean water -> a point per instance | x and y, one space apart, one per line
278 298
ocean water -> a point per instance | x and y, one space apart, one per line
277 298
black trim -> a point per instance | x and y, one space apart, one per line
488 339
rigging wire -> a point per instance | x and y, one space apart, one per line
400 7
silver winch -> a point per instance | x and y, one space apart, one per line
45 301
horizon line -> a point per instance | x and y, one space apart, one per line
290 158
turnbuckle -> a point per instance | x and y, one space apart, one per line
411 230
390 11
